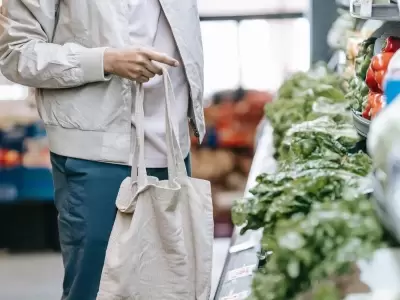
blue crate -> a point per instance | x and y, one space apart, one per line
36 184
10 184
26 184
14 138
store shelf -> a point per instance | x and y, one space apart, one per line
384 12
242 260
343 3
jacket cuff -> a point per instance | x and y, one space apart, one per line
92 64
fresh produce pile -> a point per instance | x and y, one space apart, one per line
322 138
306 96
366 88
311 252
225 156
316 218
233 117
358 89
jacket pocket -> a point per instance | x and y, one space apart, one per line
93 107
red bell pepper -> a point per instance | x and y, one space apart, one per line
392 44
376 75
371 81
377 71
374 105
366 112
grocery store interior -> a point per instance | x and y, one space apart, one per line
300 150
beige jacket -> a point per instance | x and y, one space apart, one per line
57 47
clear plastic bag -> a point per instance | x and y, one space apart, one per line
322 138
339 112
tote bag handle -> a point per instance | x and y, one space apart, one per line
176 164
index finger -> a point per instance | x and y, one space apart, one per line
162 58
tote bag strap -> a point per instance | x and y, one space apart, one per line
176 164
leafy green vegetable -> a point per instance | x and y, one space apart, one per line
297 97
315 217
283 114
358 163
358 92
281 195
321 138
309 249
304 80
364 57
338 111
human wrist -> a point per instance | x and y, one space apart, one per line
110 56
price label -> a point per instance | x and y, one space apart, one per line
238 296
240 273
366 8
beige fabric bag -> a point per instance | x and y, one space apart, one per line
161 243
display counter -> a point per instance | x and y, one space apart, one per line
242 259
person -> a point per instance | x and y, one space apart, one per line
84 58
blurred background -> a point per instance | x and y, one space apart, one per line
250 47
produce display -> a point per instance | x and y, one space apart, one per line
24 154
281 195
9 158
233 117
366 88
225 156
313 252
362 30
303 97
322 138
317 219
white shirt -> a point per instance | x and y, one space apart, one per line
149 28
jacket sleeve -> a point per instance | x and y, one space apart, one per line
28 56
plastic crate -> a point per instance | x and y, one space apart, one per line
23 184
36 184
10 184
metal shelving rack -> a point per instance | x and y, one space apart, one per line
343 3
384 12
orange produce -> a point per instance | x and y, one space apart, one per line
11 158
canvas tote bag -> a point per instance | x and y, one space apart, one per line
161 243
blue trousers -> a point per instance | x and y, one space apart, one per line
85 194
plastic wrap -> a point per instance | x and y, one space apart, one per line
318 139
339 112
